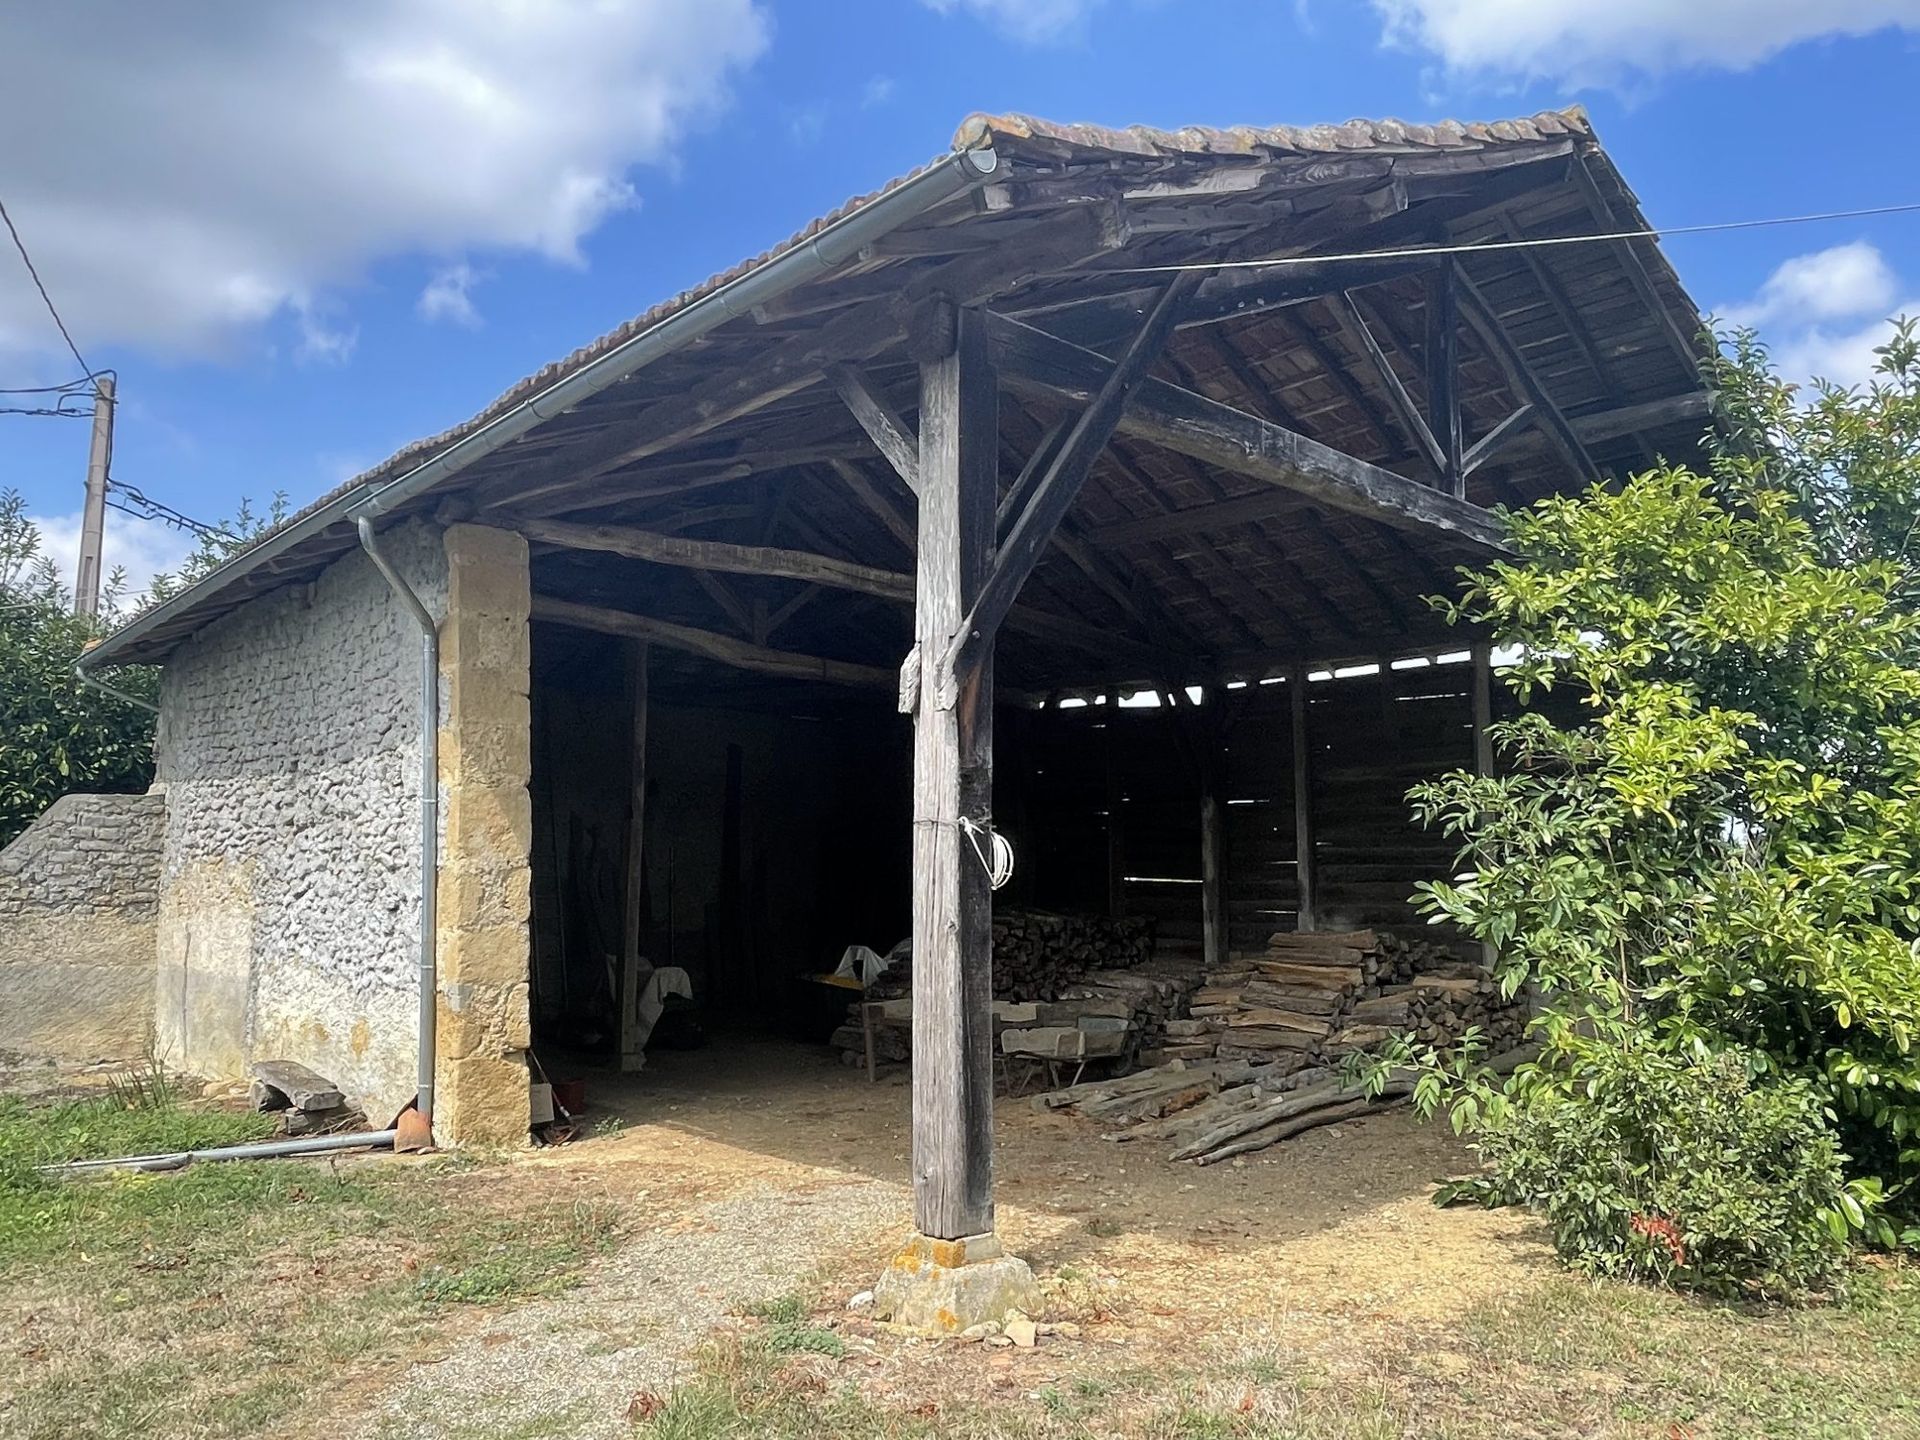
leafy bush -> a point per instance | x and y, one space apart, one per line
1724 859
1678 1170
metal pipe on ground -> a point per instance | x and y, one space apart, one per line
259 1150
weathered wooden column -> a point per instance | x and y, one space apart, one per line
632 1056
1214 933
953 1273
952 783
1305 868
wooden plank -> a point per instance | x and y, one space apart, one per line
719 555
1056 491
1233 440
953 781
741 654
1306 867
633 890
891 435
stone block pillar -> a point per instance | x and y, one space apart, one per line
485 763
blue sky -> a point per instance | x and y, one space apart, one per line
305 239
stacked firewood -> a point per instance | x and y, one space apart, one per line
1310 1000
1036 953
1156 992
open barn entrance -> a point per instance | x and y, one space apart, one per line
771 816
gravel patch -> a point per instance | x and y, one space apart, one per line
571 1364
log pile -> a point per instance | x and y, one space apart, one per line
1307 1001
1207 1111
1036 954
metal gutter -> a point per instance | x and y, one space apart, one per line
832 246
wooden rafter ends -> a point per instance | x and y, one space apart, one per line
1232 440
1054 493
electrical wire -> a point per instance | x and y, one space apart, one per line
65 335
144 507
1528 243
1000 868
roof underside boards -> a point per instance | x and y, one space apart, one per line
745 437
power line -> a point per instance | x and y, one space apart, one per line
144 507
21 246
1415 252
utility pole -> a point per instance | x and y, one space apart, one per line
93 521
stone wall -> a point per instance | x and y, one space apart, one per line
288 751
79 891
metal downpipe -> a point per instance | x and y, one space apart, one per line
260 1150
429 811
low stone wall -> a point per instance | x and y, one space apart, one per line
79 904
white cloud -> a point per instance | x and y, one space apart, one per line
1031 21
1583 43
449 295
1845 280
877 91
185 175
143 548
1822 314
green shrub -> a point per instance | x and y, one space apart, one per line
1680 1171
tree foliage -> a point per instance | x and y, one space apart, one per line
1721 865
57 735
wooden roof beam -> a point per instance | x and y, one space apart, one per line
1526 385
1180 420
891 435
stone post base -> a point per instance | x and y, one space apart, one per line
942 1287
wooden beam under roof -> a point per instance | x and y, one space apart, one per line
1521 379
1180 420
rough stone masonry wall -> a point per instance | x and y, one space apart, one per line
288 750
79 892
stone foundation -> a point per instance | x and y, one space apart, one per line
943 1287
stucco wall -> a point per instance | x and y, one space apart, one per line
79 890
288 750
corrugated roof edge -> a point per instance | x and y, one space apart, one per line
977 135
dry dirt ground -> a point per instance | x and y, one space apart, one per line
761 1171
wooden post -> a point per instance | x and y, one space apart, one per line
952 782
1214 937
1305 867
633 892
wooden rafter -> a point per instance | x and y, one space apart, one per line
1178 419
1522 380
891 435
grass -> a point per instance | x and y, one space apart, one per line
1569 1358
210 1301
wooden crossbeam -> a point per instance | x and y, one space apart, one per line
741 654
1354 322
718 555
1522 380
1055 492
891 435
1232 440
1683 345
1497 439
